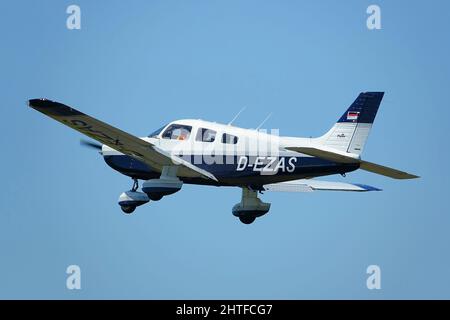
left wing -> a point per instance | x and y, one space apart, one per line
309 185
117 139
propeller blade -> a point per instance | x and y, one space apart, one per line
90 144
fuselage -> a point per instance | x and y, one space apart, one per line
235 156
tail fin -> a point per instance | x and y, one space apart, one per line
350 133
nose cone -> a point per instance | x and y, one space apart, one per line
108 151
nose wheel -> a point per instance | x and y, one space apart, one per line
130 200
130 209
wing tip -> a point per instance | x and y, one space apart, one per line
36 103
367 187
407 176
52 108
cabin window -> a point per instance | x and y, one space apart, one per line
177 132
205 135
229 138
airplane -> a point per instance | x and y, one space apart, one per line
208 153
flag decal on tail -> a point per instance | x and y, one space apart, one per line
352 115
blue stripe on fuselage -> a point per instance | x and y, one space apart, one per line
131 167
234 168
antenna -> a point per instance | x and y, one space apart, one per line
264 121
236 116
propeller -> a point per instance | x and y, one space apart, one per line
90 144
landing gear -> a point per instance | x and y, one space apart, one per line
128 209
167 184
247 220
153 189
250 207
155 197
128 201
135 185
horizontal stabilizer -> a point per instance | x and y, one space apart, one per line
345 157
309 185
386 171
327 154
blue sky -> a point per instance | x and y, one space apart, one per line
140 64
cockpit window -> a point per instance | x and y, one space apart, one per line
205 135
177 132
156 133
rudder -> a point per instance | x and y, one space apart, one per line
351 131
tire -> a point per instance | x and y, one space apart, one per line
128 209
247 220
154 197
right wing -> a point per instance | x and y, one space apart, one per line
309 185
117 139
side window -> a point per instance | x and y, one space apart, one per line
205 135
229 138
177 132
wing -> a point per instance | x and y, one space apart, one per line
345 157
117 139
309 185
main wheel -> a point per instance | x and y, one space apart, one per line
154 197
247 220
128 209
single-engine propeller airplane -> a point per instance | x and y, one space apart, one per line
208 153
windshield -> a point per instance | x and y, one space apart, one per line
177 132
154 134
